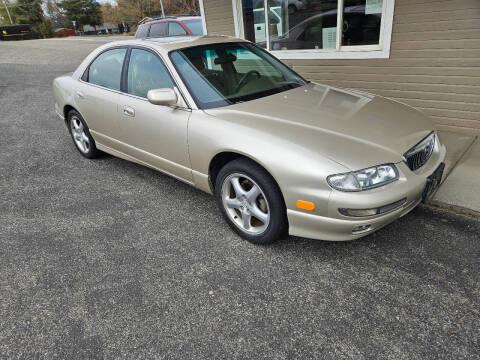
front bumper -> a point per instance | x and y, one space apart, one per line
323 228
334 226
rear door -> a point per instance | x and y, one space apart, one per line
155 134
97 95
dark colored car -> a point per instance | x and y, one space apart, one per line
171 26
15 32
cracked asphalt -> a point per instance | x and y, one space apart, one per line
109 259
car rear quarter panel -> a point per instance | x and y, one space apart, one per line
63 94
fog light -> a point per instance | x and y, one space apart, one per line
375 211
358 212
360 228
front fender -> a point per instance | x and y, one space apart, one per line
300 173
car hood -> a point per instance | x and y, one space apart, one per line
350 127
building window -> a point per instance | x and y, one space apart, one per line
324 29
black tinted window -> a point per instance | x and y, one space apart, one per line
361 22
106 69
158 29
142 31
146 72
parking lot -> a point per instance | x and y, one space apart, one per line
109 259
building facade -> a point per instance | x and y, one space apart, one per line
106 28
425 53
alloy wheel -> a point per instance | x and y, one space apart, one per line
245 203
79 136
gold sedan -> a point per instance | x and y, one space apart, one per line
281 154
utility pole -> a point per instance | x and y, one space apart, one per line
10 17
161 5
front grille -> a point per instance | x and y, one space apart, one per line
418 156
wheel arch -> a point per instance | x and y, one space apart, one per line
66 109
222 158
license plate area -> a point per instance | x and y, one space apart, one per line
433 182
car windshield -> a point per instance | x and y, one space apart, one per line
195 26
228 73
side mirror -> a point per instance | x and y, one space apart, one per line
166 96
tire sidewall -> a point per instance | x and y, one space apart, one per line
92 151
278 216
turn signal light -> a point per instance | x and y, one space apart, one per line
305 205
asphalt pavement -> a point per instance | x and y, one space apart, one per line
109 259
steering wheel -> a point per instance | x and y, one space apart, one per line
244 78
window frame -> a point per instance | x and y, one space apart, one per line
233 41
380 51
124 74
86 74
126 65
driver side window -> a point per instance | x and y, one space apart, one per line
146 72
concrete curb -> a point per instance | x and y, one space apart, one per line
459 210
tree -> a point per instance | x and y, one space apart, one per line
56 15
132 11
84 12
4 18
181 6
31 12
110 13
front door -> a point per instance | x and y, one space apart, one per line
153 134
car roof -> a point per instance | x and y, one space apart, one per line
172 18
166 44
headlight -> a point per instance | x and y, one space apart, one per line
364 179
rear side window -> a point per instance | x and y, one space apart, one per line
195 26
142 31
106 69
158 29
175 29
145 72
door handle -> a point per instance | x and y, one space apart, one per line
127 110
79 94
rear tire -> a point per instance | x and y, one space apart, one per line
251 202
81 135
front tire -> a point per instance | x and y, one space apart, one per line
251 202
81 135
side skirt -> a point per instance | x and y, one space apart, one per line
124 156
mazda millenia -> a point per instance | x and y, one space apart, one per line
280 154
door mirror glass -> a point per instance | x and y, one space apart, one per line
167 97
